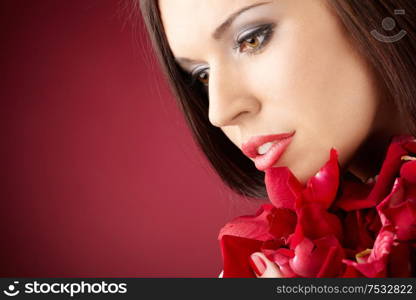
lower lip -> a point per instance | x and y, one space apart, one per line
268 159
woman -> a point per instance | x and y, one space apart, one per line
265 84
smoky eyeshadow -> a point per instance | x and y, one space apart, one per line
253 31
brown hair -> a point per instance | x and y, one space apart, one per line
393 63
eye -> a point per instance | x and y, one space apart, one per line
201 75
254 39
249 42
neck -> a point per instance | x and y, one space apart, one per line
368 159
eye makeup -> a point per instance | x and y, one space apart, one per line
253 39
256 37
200 74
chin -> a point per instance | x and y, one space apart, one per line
304 169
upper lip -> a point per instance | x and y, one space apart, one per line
250 147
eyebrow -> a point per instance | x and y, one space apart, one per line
227 23
220 30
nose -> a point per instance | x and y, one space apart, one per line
230 97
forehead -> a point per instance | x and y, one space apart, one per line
188 21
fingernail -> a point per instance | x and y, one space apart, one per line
258 265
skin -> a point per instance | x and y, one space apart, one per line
308 77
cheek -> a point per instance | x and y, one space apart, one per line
233 134
338 101
314 81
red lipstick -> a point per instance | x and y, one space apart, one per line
274 150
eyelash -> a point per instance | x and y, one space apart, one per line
264 31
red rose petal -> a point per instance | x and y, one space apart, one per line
389 170
322 188
400 262
351 272
410 144
376 265
408 171
311 258
301 219
283 188
354 196
282 222
236 252
316 222
399 211
251 226
332 266
357 230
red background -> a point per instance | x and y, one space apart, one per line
99 174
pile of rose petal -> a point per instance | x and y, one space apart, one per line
332 227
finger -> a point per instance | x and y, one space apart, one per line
263 267
221 274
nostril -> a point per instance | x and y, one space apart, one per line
225 121
238 115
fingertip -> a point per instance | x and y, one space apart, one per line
263 267
257 264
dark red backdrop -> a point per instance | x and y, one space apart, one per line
100 176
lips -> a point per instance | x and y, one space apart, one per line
274 152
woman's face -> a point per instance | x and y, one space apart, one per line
277 66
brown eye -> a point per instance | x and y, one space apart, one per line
251 43
203 77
